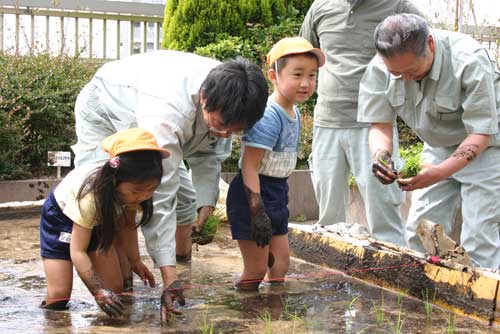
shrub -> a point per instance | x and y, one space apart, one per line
10 149
37 96
407 137
231 163
306 135
225 49
254 44
191 23
300 5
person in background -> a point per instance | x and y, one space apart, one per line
258 196
446 87
343 29
88 214
191 104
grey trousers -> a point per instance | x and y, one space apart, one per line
477 188
335 152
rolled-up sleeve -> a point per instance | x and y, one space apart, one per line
206 168
373 104
479 100
166 123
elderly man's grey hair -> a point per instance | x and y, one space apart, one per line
401 33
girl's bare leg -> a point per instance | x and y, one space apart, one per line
107 266
59 277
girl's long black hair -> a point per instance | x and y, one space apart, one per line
135 166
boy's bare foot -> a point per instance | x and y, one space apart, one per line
248 285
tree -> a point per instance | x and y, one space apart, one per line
192 23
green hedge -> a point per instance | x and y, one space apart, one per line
37 97
191 23
254 43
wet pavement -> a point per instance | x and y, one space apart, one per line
313 299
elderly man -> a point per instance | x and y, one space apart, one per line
343 29
191 104
445 86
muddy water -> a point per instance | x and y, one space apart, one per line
313 300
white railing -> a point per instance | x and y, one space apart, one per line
89 28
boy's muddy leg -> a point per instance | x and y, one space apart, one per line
255 265
278 260
270 260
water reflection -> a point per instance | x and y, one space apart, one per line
312 300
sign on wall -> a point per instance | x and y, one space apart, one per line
59 158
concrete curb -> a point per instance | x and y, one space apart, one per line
20 210
302 202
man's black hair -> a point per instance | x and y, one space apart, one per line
238 89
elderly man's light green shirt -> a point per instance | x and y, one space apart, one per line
343 29
459 96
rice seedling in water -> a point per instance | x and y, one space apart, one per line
398 326
399 299
379 310
351 303
429 304
286 314
207 326
286 308
365 330
451 324
267 318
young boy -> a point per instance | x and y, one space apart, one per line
258 197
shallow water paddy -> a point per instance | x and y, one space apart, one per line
313 300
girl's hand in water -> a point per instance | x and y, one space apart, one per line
144 273
109 302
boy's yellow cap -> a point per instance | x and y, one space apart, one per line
129 140
293 45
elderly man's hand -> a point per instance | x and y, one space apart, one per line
429 175
383 167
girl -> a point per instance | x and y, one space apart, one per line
93 210
258 197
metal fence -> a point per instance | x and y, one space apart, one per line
89 28
110 29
